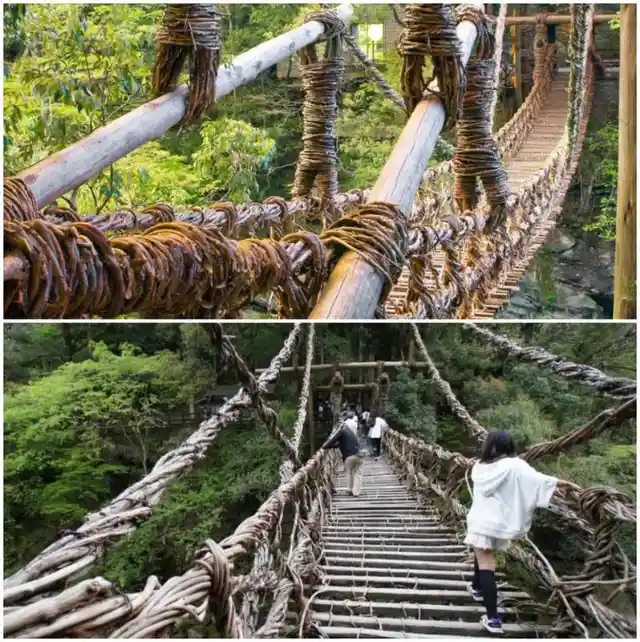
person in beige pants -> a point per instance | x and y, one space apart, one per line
353 467
347 441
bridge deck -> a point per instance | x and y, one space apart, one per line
541 141
392 570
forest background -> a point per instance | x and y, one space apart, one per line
89 408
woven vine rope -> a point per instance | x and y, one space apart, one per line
19 203
335 397
619 387
321 80
497 56
477 430
430 30
477 154
264 559
578 55
189 32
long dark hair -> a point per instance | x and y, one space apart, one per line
497 444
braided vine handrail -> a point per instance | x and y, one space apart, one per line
263 562
78 550
478 431
586 375
430 469
211 587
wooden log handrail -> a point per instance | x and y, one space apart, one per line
71 167
354 287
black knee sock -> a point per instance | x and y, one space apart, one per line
476 579
489 590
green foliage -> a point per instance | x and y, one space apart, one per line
603 145
228 485
230 153
74 438
407 410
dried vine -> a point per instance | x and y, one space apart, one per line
478 431
577 372
19 203
430 30
189 31
321 81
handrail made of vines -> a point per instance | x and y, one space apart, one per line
583 374
210 588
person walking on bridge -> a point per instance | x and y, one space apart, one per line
375 434
506 491
347 441
351 422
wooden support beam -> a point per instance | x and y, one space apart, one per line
624 295
354 287
78 163
556 19
349 386
331 367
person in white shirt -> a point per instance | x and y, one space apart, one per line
375 435
506 491
351 423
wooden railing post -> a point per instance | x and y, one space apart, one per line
624 296
75 165
354 287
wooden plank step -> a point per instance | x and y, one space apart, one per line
407 625
408 609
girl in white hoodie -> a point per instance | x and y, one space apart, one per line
506 491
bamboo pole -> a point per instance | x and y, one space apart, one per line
624 297
354 287
331 367
78 163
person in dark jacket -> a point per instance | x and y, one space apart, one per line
347 441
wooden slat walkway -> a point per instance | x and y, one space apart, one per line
541 141
393 570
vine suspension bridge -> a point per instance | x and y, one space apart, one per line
313 562
448 241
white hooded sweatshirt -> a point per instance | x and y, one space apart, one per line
375 432
505 494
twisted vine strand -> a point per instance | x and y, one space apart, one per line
576 372
476 429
